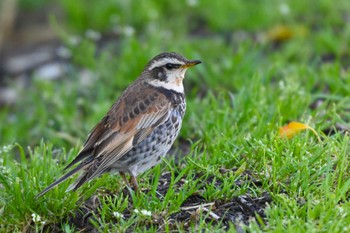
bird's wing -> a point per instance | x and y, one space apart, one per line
130 126
130 120
88 148
134 115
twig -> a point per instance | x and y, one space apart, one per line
197 206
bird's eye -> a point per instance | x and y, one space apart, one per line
171 66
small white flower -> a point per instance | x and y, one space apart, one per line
248 137
36 218
6 149
284 9
74 40
128 31
93 35
118 215
18 180
4 170
281 85
125 30
136 211
146 213
192 2
64 52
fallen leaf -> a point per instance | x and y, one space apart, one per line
281 33
294 128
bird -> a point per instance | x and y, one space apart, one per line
139 128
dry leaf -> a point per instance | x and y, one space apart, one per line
294 128
282 33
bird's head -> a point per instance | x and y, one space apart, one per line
167 70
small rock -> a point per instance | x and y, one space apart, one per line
50 71
8 96
25 62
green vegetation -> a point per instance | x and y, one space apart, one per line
265 63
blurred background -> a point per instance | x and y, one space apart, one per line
64 62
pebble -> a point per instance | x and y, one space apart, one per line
22 63
50 71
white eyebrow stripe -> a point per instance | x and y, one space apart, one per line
163 62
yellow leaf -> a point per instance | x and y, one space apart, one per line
281 33
294 128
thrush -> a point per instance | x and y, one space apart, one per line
139 128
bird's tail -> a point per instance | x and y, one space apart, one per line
86 176
78 182
63 178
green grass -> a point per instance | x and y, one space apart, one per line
249 85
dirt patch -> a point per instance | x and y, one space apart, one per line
238 210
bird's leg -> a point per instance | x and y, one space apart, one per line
124 178
134 183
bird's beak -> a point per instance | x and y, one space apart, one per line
191 63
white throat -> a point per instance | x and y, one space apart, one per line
174 86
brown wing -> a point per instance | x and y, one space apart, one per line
88 148
131 119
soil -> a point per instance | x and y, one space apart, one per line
238 211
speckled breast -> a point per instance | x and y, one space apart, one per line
149 152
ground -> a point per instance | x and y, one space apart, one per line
265 64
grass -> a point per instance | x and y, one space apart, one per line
253 80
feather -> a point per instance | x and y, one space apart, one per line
60 180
